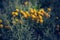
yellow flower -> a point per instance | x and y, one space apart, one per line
41 21
27 13
49 9
35 10
39 13
0 21
40 17
33 16
1 25
42 10
26 3
14 13
17 10
47 15
31 10
24 13
21 11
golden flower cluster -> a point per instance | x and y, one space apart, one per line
15 13
33 14
1 25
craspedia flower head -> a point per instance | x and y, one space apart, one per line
33 16
42 10
39 13
31 10
40 17
47 15
28 14
1 21
12 13
35 10
49 9
22 12
1 25
41 21
17 10
16 13
25 15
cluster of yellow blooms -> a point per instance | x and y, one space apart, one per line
33 14
1 25
15 13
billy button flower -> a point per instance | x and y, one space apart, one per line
28 14
47 15
17 10
1 21
22 12
25 15
41 12
40 17
33 16
31 10
15 14
1 25
35 12
41 21
49 9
